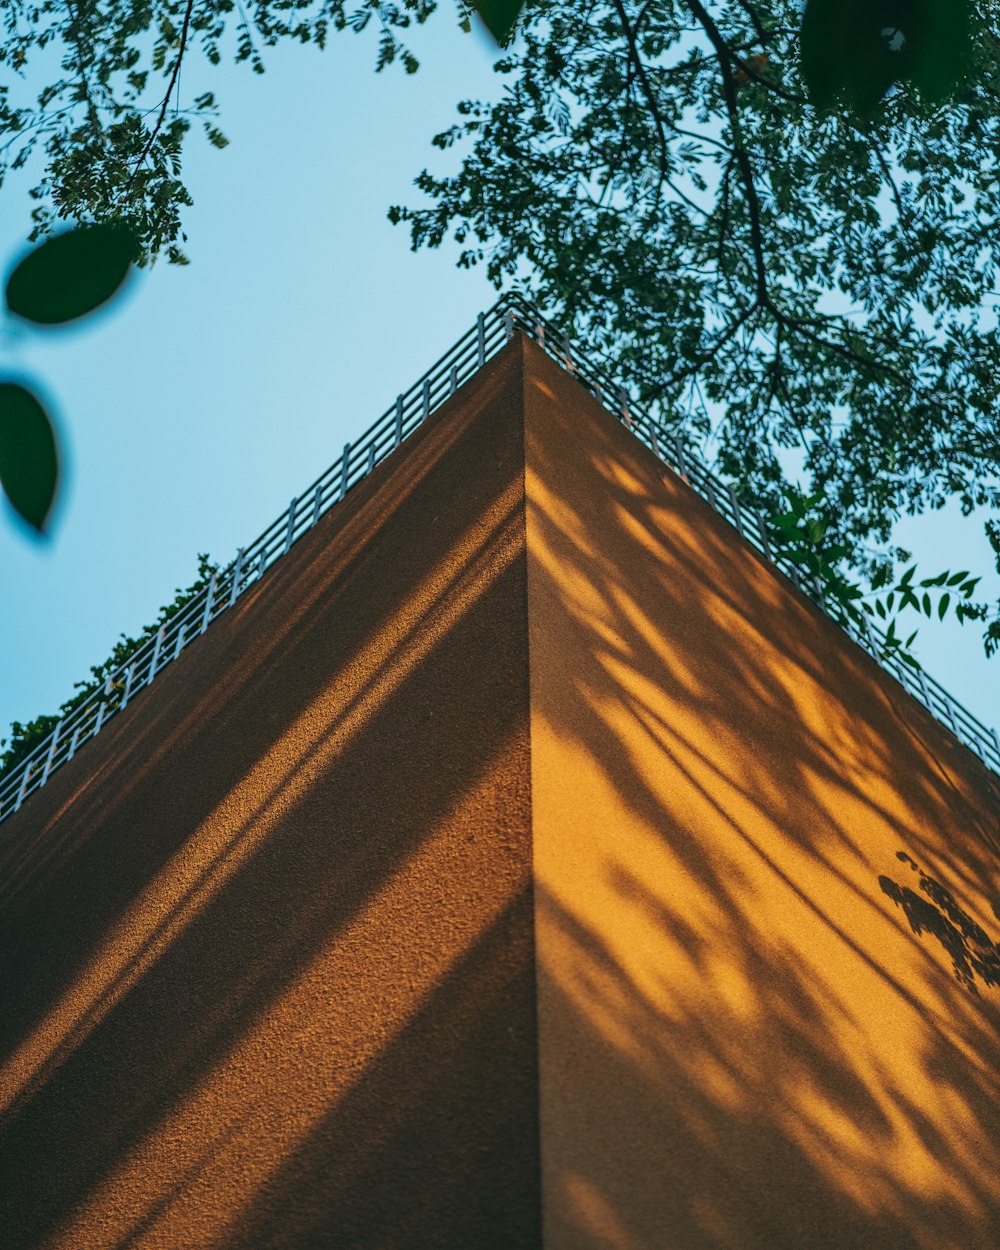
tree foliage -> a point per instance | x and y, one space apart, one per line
790 258
804 291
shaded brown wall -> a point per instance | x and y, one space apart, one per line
266 944
751 1032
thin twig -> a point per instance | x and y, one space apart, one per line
166 99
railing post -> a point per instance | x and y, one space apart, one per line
129 675
72 744
237 577
996 739
871 635
481 339
290 527
371 457
206 616
734 500
345 468
762 530
567 346
453 380
925 693
51 754
623 406
180 640
679 457
158 643
317 502
399 420
508 321
425 399
25 778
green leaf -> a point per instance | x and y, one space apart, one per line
942 34
958 577
856 49
943 606
71 274
499 17
29 459
927 603
843 53
908 575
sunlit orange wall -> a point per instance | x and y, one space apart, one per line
266 944
743 1042
478 830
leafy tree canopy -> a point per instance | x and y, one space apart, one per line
791 259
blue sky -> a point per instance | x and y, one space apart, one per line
210 395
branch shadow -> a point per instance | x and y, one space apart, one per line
770 1056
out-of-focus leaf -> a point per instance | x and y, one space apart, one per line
856 49
943 46
29 458
71 274
499 17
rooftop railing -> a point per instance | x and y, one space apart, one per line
491 331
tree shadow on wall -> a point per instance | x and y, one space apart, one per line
713 952
973 954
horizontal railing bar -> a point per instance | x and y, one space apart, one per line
462 361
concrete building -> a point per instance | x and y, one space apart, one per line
522 861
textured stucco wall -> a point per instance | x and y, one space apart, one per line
266 944
744 1043
321 935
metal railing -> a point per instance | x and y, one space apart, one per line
491 331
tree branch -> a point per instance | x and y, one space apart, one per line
166 98
724 56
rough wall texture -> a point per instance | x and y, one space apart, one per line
308 949
751 1032
266 944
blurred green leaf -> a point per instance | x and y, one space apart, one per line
29 459
856 49
71 274
499 17
943 606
